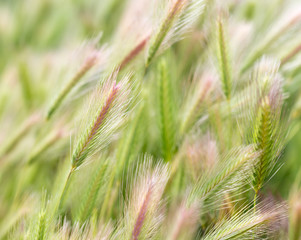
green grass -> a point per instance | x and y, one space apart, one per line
153 119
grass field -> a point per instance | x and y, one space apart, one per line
150 119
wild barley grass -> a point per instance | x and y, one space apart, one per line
174 124
246 225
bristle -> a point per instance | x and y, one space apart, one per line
142 215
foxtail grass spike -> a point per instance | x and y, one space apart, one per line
224 61
41 227
167 118
267 136
264 145
247 225
106 112
236 169
163 30
81 151
142 216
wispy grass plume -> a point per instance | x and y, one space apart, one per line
268 131
247 225
106 112
229 176
142 213
181 14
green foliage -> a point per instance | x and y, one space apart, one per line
91 195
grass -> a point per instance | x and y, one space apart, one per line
139 119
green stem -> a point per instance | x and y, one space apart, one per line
108 193
67 182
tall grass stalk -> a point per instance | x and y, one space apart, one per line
88 64
107 112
